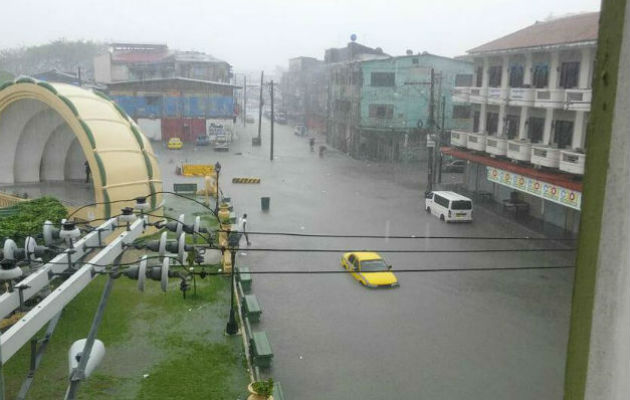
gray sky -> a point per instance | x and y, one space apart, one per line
262 34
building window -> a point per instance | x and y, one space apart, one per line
476 117
382 79
464 80
152 100
415 61
492 122
381 111
563 133
516 76
535 129
511 126
569 72
494 74
479 75
461 111
541 76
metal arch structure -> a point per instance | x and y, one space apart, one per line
48 130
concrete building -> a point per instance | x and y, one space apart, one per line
530 102
395 97
343 75
303 89
175 107
139 61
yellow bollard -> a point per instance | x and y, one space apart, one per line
227 262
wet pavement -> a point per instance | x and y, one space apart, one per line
441 335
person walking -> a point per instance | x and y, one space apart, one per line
242 228
87 171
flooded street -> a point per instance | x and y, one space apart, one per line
465 334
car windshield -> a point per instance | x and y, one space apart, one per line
461 205
373 266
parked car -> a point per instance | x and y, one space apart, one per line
221 143
454 166
280 118
449 206
175 143
202 140
300 130
369 269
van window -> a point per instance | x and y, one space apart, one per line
440 200
461 205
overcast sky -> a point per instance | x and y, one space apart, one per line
252 34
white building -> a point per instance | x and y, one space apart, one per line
530 103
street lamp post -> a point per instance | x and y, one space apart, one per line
217 168
232 327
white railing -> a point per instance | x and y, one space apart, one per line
496 145
545 156
522 96
549 98
578 99
461 94
519 150
497 95
572 162
476 141
459 138
478 94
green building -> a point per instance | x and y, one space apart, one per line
395 107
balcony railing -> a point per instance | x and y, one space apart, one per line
476 141
578 99
478 94
522 96
461 94
519 150
497 95
550 98
572 162
545 156
496 145
459 138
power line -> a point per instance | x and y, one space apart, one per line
404 250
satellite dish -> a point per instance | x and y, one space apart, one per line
164 280
96 355
353 37
142 273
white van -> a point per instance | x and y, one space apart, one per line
449 206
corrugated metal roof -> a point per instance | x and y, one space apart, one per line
573 29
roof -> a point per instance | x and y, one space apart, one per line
451 195
174 79
367 255
143 53
573 29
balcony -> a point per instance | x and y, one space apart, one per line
478 94
461 94
497 95
549 98
578 99
522 96
496 145
520 150
545 156
572 162
459 138
476 141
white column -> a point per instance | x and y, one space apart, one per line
485 77
554 70
522 128
547 131
527 72
501 124
586 64
482 117
577 140
505 72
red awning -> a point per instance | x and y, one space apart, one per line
556 178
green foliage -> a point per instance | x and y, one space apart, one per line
30 217
263 388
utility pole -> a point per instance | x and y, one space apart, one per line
272 117
260 105
430 142
79 77
244 99
441 137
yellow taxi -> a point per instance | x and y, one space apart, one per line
369 269
175 143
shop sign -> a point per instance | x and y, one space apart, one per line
548 191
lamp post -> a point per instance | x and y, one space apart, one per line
232 327
217 169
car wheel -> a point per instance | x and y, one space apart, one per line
442 217
428 209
